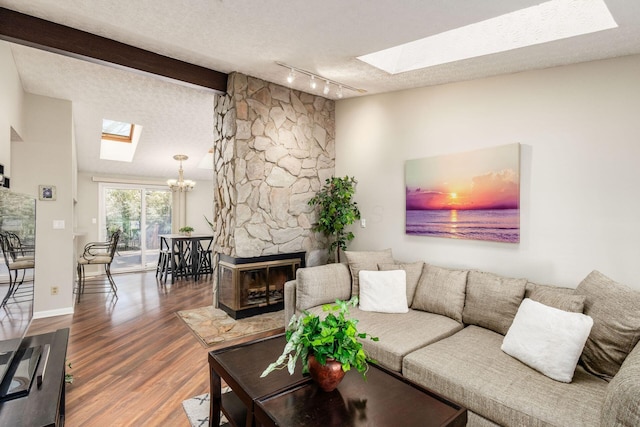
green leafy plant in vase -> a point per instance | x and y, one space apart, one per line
333 341
187 230
337 211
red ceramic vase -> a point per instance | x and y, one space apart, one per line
327 376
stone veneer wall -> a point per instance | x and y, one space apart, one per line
274 149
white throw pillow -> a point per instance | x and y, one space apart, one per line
383 291
547 339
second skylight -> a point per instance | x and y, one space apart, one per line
546 22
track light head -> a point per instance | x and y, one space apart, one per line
291 77
327 88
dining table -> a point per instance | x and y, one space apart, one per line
185 254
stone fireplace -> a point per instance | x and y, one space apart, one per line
250 286
274 149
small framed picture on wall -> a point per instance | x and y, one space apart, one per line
47 192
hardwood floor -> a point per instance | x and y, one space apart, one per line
133 360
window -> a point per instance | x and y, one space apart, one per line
142 213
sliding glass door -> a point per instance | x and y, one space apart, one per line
142 213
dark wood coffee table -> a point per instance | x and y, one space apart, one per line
240 366
280 399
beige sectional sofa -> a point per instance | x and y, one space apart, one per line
450 340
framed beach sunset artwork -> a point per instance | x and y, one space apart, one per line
472 195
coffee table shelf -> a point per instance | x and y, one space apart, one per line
233 408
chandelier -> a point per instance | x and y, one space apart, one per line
180 184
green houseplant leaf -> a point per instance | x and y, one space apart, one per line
334 337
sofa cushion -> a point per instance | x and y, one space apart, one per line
383 291
441 291
469 368
413 270
621 402
322 285
615 310
399 334
492 301
562 298
548 339
365 260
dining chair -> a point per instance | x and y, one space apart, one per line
164 267
205 266
18 259
98 253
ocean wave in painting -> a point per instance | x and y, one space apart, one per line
500 225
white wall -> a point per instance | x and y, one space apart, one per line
44 157
11 105
199 205
86 210
579 127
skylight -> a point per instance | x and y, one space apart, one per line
546 22
117 131
114 134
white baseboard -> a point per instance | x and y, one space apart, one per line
52 313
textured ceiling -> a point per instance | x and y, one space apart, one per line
175 119
249 36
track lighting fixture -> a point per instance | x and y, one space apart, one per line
313 81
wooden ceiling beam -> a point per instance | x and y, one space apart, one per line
30 31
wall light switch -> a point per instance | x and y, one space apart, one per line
363 223
94 221
58 224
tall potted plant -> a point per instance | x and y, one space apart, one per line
337 211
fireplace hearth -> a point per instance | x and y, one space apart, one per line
251 286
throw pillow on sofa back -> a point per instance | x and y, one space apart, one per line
441 291
383 291
365 260
561 298
492 301
547 339
615 310
322 285
413 271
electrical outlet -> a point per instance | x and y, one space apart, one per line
54 290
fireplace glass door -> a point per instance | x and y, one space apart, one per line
247 287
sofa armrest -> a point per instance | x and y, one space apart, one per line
622 400
322 285
289 301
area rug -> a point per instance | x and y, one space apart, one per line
214 327
197 410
